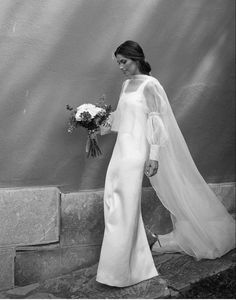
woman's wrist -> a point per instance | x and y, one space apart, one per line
104 129
154 152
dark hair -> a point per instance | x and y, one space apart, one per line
132 50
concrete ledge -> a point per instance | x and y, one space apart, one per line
29 216
7 256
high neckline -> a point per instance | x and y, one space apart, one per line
139 76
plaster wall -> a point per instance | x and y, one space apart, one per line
56 52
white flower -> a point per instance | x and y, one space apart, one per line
91 108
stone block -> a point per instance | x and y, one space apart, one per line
29 216
155 216
226 193
36 265
82 218
7 256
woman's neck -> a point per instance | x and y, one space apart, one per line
138 76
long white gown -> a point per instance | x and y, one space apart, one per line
202 226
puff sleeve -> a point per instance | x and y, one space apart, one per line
156 132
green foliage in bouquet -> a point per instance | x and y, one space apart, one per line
91 117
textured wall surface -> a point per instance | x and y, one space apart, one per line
29 216
81 233
7 257
56 52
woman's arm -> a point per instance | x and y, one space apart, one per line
156 131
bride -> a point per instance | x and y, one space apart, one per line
149 141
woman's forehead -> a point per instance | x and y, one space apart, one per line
119 57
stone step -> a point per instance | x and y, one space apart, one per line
177 274
39 263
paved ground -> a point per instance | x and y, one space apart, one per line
179 276
218 286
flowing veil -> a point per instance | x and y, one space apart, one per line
202 227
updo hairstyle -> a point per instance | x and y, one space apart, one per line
132 50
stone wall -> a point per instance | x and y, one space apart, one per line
46 233
28 216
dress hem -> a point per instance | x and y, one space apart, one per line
124 284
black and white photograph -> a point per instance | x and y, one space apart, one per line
117 149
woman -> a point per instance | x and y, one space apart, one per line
149 140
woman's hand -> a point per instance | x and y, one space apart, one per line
151 167
105 129
98 131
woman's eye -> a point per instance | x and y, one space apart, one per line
122 62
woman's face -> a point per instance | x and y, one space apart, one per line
128 66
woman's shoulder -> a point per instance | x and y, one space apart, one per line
153 80
152 83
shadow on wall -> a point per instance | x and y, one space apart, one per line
57 54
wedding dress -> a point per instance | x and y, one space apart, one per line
126 257
202 227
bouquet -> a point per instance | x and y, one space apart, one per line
91 117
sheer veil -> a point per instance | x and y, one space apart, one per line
202 226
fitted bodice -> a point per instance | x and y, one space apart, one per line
131 112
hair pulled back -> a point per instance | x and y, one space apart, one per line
132 50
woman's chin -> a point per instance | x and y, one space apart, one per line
127 74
